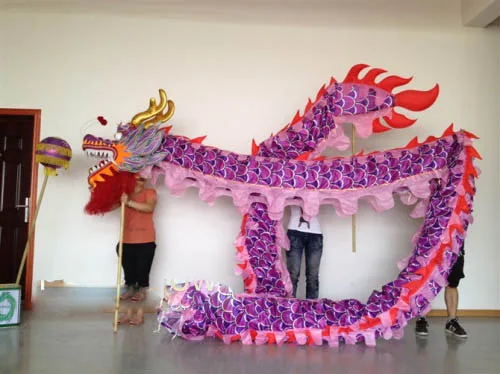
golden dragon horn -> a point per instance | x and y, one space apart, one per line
154 113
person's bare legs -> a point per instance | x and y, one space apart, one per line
452 325
451 300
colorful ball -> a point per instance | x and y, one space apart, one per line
53 153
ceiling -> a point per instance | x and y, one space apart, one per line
431 13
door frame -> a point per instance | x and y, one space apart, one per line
37 114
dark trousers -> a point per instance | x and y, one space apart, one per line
312 244
136 261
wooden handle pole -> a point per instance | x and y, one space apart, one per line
31 231
353 219
119 270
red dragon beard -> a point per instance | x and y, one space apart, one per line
105 196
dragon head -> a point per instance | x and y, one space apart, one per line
135 145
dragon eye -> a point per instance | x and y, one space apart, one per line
118 135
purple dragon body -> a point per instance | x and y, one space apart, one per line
287 169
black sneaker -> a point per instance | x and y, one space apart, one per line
453 327
421 327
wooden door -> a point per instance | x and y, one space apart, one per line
19 132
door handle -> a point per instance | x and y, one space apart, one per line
26 207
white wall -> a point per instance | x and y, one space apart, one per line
232 83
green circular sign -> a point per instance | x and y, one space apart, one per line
6 298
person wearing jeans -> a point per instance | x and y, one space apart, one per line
305 236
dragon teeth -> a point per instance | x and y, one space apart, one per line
99 154
99 166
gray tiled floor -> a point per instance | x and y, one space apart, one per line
68 333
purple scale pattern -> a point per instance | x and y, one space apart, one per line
278 170
294 141
230 315
336 174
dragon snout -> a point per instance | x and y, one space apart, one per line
90 141
98 147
